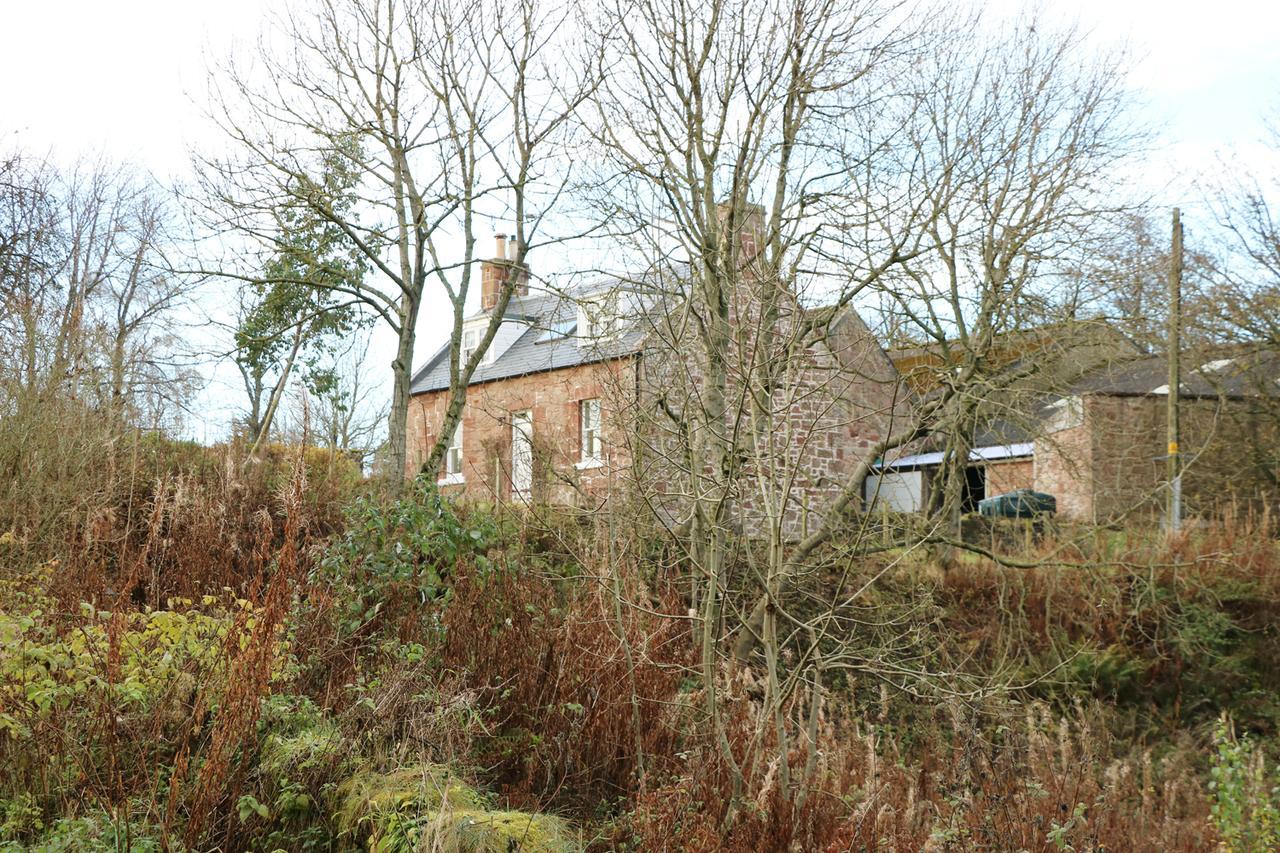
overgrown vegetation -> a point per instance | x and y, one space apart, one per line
352 671
253 646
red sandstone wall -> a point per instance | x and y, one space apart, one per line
1112 464
1004 477
1064 468
837 400
553 398
1218 440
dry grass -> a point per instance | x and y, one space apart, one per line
530 678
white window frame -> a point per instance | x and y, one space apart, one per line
470 341
471 336
453 459
522 490
597 319
591 453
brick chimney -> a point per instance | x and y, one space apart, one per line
494 273
750 226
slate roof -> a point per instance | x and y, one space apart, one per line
1242 375
1064 351
1000 432
539 348
1238 375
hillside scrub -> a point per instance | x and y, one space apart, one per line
419 675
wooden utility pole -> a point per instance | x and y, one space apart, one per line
1175 374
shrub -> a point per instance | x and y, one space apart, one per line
395 556
97 832
103 695
1246 797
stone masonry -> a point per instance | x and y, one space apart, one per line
1111 465
553 397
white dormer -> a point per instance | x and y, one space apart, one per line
471 337
1064 413
509 331
598 318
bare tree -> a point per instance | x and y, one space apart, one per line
1240 305
741 143
1233 311
449 114
777 166
344 409
28 234
91 349
88 293
1019 133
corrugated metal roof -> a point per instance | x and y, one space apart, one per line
978 454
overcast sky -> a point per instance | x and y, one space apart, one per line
124 78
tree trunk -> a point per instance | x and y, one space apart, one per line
117 372
397 426
277 393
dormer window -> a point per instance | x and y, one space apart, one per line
471 337
558 331
470 340
597 319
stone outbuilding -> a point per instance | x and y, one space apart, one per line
1098 445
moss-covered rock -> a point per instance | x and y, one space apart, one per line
499 832
427 807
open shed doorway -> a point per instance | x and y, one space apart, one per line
975 488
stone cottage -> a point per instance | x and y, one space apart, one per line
572 405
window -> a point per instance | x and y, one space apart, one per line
453 457
521 454
558 330
470 340
597 320
592 445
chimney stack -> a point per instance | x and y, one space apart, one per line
749 227
495 271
